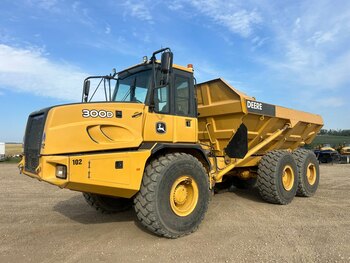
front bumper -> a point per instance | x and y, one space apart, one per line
115 174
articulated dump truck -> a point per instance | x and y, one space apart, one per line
160 143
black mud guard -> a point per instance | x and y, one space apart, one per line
238 145
156 147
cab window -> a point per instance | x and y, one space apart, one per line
161 99
133 88
182 95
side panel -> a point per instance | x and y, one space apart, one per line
117 174
185 129
176 128
158 127
89 127
220 113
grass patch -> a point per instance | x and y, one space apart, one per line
11 160
333 140
13 149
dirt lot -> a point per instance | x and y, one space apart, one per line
42 223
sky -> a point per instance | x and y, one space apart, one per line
290 53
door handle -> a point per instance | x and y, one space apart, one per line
136 114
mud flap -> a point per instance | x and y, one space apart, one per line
238 145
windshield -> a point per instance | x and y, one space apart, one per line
133 88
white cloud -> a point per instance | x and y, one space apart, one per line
230 15
139 10
76 6
329 102
311 48
46 4
258 42
108 30
28 70
320 37
175 5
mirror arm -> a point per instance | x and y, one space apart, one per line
159 51
153 86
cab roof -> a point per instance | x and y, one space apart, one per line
147 64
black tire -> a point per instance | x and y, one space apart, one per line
323 160
153 203
243 183
107 204
272 187
308 172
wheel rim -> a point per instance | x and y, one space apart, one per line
288 178
311 173
184 196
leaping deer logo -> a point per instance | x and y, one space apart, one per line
160 127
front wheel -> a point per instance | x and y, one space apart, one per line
174 195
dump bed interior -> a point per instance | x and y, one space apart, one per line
223 109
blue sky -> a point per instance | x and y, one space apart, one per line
290 53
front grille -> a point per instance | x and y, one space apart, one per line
32 140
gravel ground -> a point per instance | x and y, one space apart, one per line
42 223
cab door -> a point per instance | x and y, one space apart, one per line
159 124
185 120
174 118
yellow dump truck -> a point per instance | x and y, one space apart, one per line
161 143
345 150
327 147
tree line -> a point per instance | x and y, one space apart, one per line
338 132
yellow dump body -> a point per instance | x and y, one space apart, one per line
223 109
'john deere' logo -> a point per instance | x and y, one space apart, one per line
160 127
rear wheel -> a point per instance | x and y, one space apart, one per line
277 177
174 195
107 204
308 172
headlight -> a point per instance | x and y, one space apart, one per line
61 171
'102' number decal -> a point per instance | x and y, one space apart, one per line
77 161
97 113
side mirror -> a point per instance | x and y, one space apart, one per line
86 90
166 62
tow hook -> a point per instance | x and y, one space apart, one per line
20 167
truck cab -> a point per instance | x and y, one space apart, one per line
95 145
